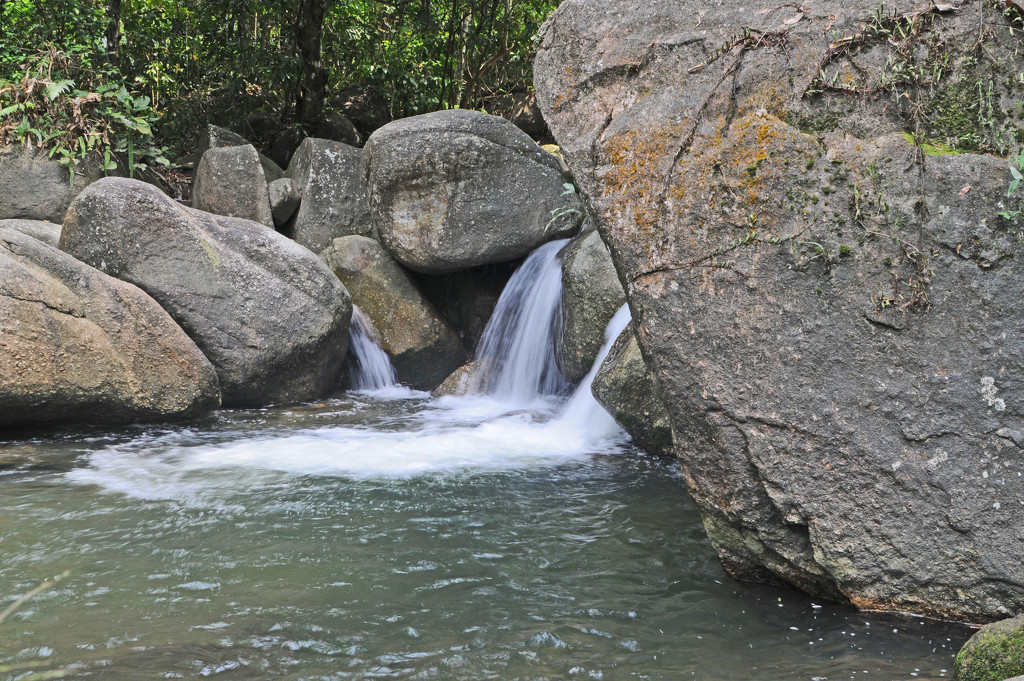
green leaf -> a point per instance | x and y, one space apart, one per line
1013 187
1016 173
55 90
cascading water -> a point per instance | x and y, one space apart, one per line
370 367
517 348
583 412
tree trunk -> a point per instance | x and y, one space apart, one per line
309 36
113 34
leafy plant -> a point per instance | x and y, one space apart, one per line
1016 176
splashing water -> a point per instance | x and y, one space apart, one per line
583 412
370 366
518 345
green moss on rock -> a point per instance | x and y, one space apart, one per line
995 653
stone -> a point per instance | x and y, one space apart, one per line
214 136
229 181
423 347
338 128
995 653
333 196
456 189
47 232
268 314
625 388
284 200
591 293
466 380
82 347
36 187
829 304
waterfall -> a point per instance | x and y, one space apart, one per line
583 412
370 367
518 346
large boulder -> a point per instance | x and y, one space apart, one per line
591 293
455 189
423 348
214 137
37 187
268 314
828 296
229 181
47 232
625 388
995 653
333 203
82 347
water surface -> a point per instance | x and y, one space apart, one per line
395 536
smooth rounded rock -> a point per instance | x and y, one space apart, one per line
83 347
995 653
455 189
268 314
47 232
591 293
625 388
229 181
284 200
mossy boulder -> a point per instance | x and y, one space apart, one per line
995 653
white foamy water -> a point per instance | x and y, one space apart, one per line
370 366
445 436
583 412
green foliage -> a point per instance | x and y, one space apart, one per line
238 63
1014 213
69 99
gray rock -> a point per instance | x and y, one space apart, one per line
995 653
625 388
229 181
333 196
284 200
36 187
831 313
338 128
214 136
591 293
423 348
47 232
82 347
266 312
468 379
455 189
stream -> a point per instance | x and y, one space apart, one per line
391 535
515 534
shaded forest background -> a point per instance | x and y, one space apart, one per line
137 79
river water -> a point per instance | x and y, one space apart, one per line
391 535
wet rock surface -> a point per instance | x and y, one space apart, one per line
828 296
625 388
268 314
591 293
